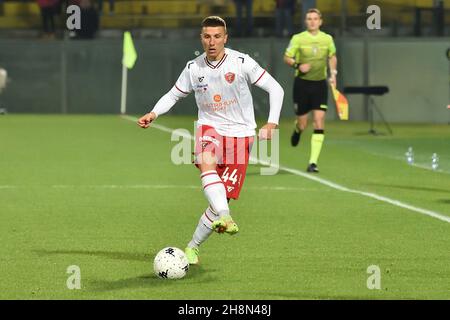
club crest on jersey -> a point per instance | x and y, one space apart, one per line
230 77
315 50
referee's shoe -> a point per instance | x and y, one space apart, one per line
295 138
312 167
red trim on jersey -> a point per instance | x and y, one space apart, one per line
218 65
223 60
259 77
181 90
205 175
210 184
209 64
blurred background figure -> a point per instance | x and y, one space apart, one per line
89 20
240 4
111 6
284 14
49 8
3 78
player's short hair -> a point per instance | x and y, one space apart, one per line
314 10
214 21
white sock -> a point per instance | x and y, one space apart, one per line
204 228
215 192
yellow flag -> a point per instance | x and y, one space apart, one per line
129 52
341 103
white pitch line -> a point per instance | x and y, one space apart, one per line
151 186
328 183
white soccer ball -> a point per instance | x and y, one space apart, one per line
171 263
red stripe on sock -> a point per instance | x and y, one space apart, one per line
207 174
210 184
212 211
208 217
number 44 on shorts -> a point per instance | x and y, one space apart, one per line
232 177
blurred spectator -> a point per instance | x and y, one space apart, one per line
240 4
49 8
111 6
284 14
89 20
3 78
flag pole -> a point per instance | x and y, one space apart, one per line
128 61
123 102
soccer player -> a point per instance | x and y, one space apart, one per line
308 53
220 79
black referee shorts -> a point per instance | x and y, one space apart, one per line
310 95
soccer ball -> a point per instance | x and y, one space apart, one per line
171 263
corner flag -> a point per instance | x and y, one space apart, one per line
128 61
129 52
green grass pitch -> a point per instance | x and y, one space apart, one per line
102 194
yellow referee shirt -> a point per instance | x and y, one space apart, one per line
313 49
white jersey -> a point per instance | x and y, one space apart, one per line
222 91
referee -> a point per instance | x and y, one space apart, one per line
308 53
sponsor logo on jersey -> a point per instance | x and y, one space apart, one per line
230 188
230 77
201 79
219 105
201 88
205 140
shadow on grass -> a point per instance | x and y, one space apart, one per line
195 276
131 256
312 296
447 201
258 172
410 187
368 133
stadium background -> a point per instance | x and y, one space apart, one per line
407 55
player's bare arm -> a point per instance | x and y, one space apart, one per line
145 121
289 61
304 67
266 131
332 63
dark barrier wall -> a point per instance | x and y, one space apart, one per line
85 76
